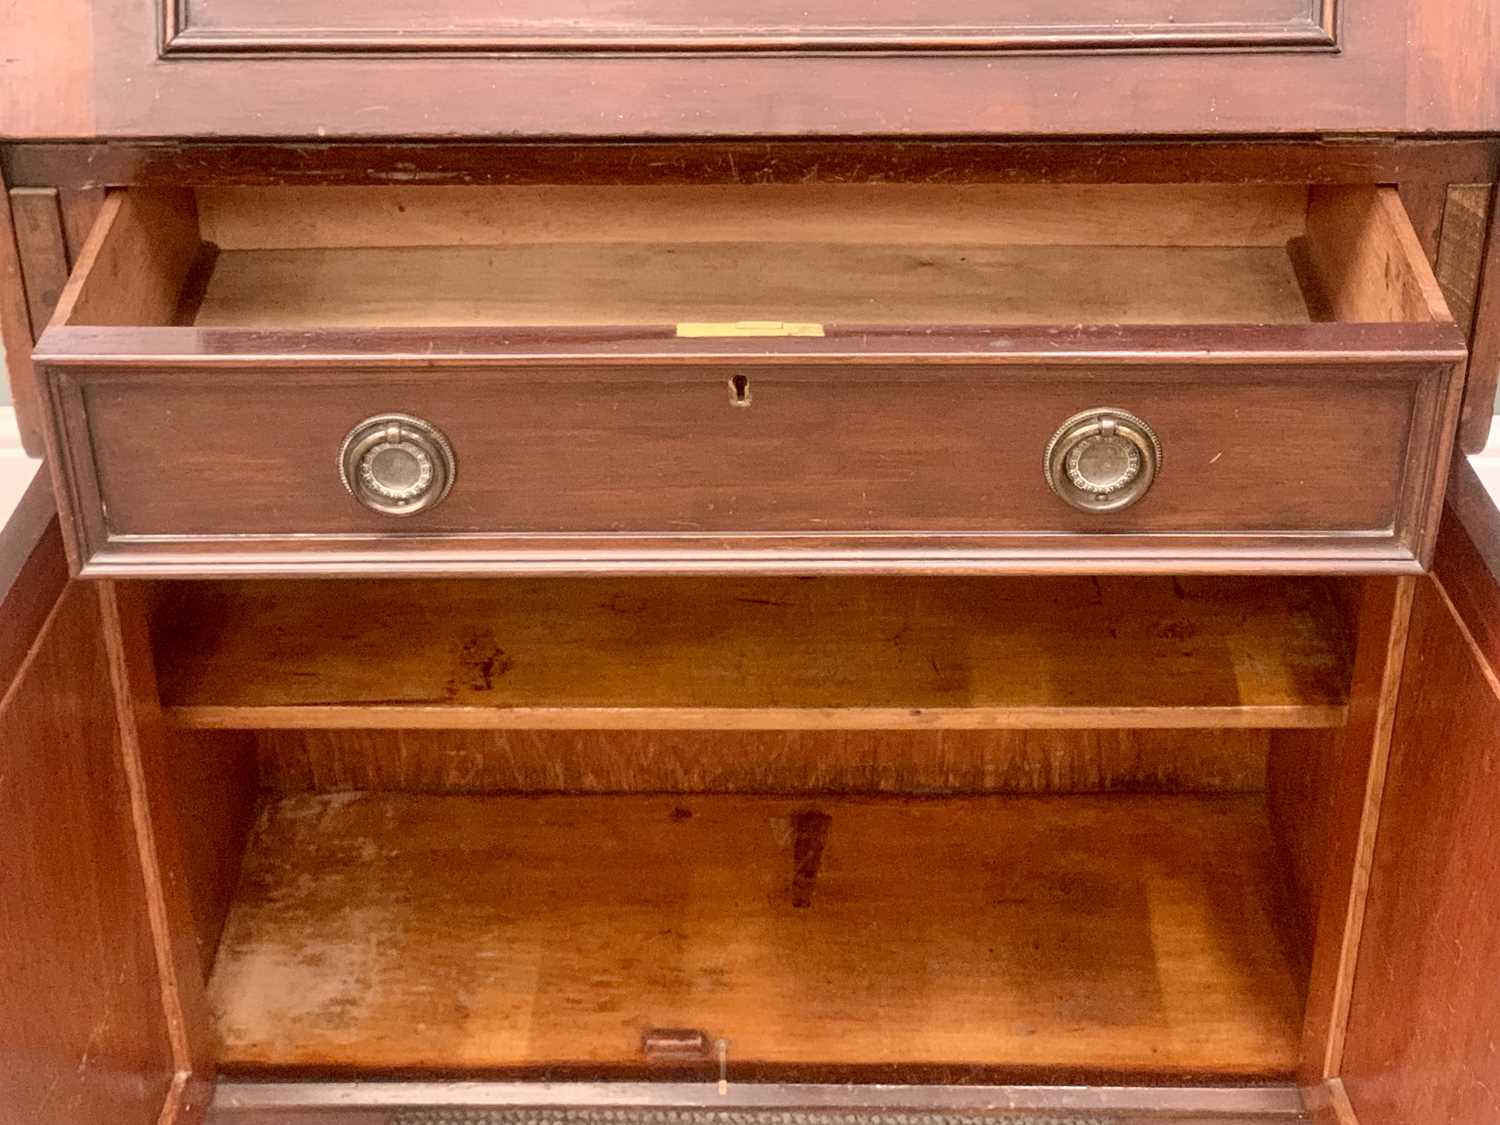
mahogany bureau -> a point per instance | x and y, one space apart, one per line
726 564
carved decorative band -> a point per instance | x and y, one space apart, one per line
1315 29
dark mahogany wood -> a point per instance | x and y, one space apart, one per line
1426 1005
83 1035
229 68
1315 458
1408 161
43 250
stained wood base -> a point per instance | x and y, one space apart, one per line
1077 936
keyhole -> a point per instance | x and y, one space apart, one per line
739 390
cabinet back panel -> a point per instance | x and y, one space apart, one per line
829 762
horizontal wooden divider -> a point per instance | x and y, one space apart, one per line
755 654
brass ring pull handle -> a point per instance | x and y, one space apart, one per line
397 465
1102 460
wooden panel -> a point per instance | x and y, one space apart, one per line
175 163
903 285
1484 362
881 213
1083 935
215 780
1370 262
1405 67
170 819
43 249
1466 215
762 654
1303 770
48 86
80 210
1355 767
1464 34
1304 784
884 253
28 602
1423 1026
15 332
826 762
1425 201
466 26
83 1036
134 264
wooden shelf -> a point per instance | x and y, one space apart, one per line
763 654
1092 935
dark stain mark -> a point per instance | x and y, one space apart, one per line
1176 630
481 661
679 814
1177 588
809 836
763 601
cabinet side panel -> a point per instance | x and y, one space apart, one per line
83 1039
1425 1015
15 331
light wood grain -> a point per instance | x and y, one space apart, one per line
1121 935
581 283
1369 260
1342 833
346 257
769 654
135 261
826 762
976 215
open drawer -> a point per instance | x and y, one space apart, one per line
791 377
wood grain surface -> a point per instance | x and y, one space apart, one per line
743 280
85 69
83 1034
1108 760
756 654
880 212
1119 934
1426 1008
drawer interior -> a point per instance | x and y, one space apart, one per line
947 830
791 257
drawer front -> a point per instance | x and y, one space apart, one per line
724 466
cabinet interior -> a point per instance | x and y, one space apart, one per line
854 829
799 256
